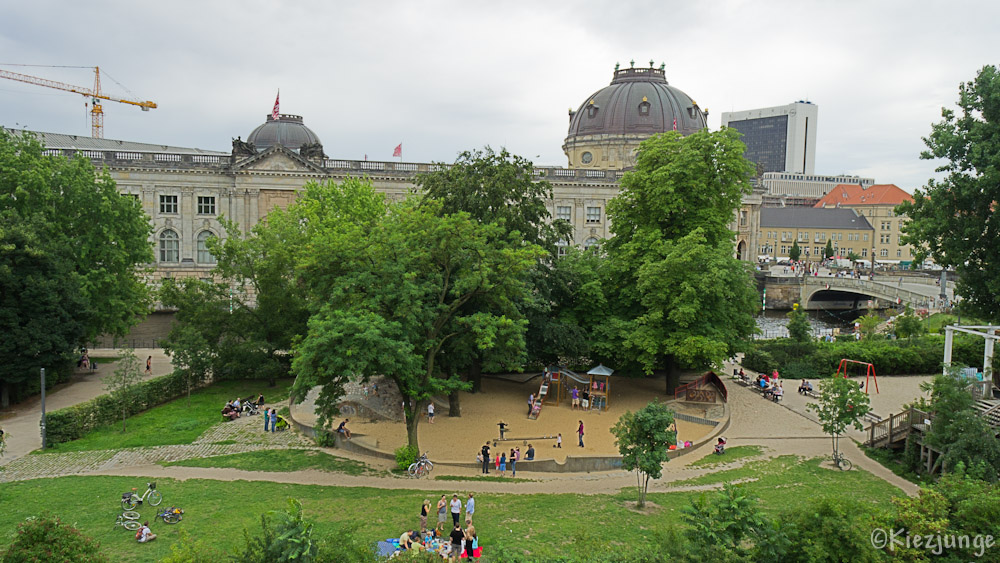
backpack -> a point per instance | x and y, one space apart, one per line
138 535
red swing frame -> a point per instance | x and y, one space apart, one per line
869 373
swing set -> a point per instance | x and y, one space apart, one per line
869 372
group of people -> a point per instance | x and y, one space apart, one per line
462 541
235 408
501 459
770 386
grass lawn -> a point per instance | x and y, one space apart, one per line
893 461
546 525
279 461
175 422
732 455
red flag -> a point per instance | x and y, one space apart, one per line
398 151
274 112
675 119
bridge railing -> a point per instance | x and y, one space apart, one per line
897 426
873 288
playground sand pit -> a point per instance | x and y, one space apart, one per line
460 438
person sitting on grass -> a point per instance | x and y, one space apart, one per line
342 429
410 540
145 534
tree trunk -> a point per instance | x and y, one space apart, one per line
673 374
454 404
5 395
412 418
642 492
123 417
476 375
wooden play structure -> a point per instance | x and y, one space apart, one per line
869 372
557 384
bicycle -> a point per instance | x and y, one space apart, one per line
171 515
128 520
421 467
132 500
841 462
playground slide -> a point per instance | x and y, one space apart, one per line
575 377
536 407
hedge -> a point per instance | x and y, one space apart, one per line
920 356
76 421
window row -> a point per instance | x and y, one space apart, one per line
169 205
565 212
170 247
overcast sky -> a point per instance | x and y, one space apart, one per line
442 77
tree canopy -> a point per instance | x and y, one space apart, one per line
681 299
955 219
644 439
842 403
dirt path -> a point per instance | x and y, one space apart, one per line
21 421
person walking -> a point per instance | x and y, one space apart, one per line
470 509
580 432
558 443
456 509
486 458
441 506
430 413
149 365
425 510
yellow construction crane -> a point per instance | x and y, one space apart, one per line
96 112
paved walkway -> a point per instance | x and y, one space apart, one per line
244 434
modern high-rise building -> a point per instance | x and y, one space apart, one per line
778 139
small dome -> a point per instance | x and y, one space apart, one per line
287 131
639 103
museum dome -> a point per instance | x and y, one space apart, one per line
638 104
287 131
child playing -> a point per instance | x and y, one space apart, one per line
558 443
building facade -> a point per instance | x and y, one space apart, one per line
780 138
807 185
781 228
878 204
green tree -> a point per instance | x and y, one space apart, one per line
47 538
853 256
728 525
386 300
957 430
72 249
869 324
121 383
285 536
828 250
832 529
680 298
644 438
794 252
909 325
798 325
953 219
841 404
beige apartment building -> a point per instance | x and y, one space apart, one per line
782 227
876 203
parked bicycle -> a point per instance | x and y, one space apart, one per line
171 515
841 462
421 467
128 520
132 500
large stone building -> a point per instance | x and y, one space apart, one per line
782 227
878 204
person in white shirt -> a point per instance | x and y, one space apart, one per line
145 534
470 508
456 508
430 413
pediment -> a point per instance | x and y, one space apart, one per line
277 159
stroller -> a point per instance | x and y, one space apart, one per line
282 424
249 408
720 447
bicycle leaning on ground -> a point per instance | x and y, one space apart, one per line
171 515
841 462
132 500
421 467
128 520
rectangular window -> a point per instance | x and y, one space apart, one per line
168 204
866 237
864 252
206 205
593 214
817 250
784 250
803 236
840 236
899 253
564 212
884 252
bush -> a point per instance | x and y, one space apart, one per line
405 455
285 536
325 439
48 539
74 422
186 550
758 359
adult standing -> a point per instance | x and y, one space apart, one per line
471 541
149 365
425 510
274 419
441 506
470 509
486 458
430 413
456 509
513 463
267 418
576 397
580 432
456 542
531 402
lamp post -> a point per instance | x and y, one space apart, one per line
43 408
872 275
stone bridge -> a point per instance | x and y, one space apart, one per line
815 290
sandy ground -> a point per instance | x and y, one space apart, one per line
21 421
460 438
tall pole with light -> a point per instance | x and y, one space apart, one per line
43 408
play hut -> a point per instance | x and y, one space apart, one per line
600 387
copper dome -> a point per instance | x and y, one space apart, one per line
287 131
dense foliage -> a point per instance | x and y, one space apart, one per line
841 405
644 439
71 251
955 218
48 539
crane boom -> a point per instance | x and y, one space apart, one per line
97 113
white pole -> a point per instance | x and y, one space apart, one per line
949 339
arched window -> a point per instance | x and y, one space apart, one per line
561 247
204 256
590 243
170 246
